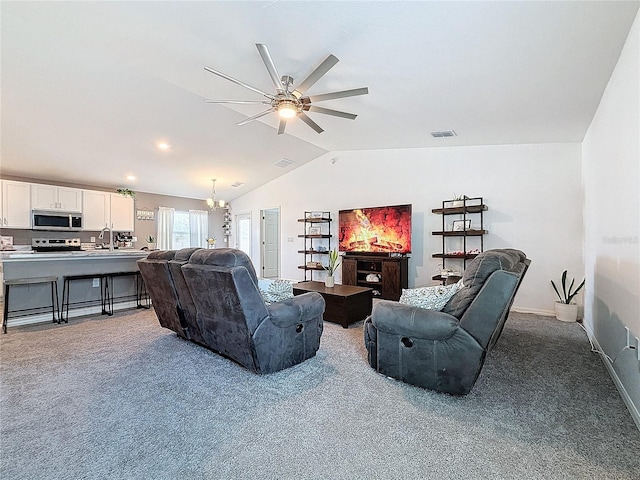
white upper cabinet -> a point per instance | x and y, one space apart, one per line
16 204
122 213
49 197
95 212
104 209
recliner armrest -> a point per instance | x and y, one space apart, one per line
399 319
298 309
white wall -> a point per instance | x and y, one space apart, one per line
611 163
534 194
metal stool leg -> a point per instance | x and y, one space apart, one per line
6 309
56 307
53 303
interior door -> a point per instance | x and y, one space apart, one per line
269 238
243 232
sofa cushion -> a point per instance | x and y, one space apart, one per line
432 298
477 272
224 257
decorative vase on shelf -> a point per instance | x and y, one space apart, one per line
329 281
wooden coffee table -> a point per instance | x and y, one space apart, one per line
345 304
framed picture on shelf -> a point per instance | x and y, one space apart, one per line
315 215
315 231
461 225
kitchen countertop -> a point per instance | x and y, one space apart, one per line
29 255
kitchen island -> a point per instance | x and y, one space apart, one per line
84 295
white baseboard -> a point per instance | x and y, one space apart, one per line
544 313
76 312
633 409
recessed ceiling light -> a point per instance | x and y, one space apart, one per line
131 177
164 146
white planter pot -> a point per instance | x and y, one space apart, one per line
151 246
329 281
566 313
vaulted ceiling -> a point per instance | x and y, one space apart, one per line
89 89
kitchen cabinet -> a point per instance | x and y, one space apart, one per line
122 213
50 197
16 204
104 209
96 210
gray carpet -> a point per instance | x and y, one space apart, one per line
120 397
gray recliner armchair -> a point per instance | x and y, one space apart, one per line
445 350
170 297
235 321
159 284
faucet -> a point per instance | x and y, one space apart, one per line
101 236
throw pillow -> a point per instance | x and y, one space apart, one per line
273 291
432 298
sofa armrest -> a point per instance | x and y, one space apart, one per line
298 309
399 319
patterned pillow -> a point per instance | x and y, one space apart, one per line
273 291
432 298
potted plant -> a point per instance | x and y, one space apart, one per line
334 261
151 242
126 192
565 310
458 200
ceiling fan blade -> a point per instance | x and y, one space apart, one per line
242 84
305 118
241 102
314 76
271 67
344 93
335 113
282 126
249 119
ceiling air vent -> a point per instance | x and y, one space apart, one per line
443 133
237 184
284 163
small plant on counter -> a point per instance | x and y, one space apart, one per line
567 295
150 239
125 192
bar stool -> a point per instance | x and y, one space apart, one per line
55 307
66 287
108 291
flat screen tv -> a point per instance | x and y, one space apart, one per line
375 230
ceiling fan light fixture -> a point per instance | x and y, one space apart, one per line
287 109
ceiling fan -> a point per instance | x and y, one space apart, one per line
290 102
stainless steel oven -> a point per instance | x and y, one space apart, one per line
56 220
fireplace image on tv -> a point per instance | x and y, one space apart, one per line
380 230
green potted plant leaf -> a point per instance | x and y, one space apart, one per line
567 311
334 262
126 192
151 242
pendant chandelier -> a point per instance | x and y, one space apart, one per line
212 202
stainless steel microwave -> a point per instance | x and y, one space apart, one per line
56 220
